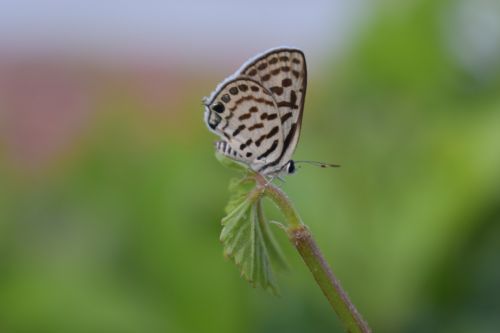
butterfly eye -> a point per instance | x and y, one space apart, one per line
290 168
218 107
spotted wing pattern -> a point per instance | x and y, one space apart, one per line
245 115
283 72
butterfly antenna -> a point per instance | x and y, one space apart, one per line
319 164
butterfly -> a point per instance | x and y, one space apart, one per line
257 111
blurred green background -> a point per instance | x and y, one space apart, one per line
111 198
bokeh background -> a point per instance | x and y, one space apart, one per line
111 198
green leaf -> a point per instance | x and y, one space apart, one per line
247 238
274 249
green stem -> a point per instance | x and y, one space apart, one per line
301 238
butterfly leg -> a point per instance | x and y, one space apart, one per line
273 177
270 180
281 178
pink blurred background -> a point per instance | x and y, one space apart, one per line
57 57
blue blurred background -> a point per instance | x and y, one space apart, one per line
111 198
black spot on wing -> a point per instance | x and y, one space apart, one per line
286 82
272 132
244 116
293 97
262 66
247 143
276 90
233 90
269 150
267 116
218 107
286 116
258 125
239 129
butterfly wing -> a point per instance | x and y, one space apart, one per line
283 72
245 115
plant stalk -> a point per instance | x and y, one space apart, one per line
302 239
